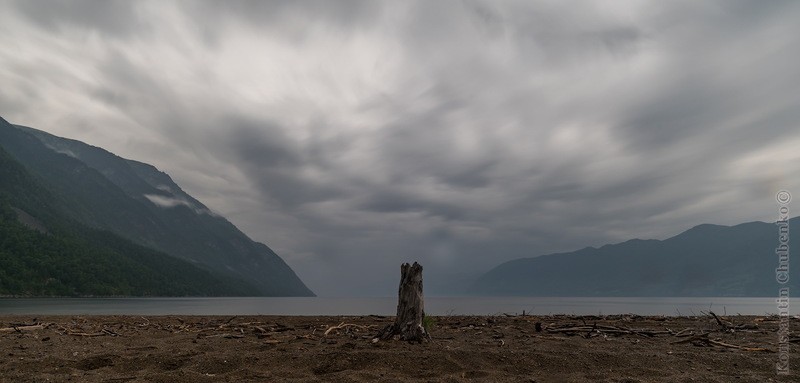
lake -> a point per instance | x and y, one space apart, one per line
385 306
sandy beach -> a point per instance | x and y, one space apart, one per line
200 349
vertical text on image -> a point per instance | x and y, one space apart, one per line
782 277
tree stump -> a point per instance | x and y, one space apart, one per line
408 325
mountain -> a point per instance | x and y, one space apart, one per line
139 203
43 253
706 260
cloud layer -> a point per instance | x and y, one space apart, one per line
352 136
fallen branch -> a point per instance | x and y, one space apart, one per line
226 336
606 329
86 334
570 329
703 339
111 332
724 324
692 338
342 326
743 348
23 328
684 332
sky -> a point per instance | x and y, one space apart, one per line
352 136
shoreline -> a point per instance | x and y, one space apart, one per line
503 348
435 305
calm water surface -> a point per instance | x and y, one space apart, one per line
384 306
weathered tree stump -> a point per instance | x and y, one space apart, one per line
408 325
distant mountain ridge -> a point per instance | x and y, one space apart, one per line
706 260
45 253
138 202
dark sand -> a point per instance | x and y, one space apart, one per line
464 349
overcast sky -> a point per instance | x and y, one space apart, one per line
352 136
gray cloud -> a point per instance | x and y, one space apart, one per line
352 136
118 18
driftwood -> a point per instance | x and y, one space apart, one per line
685 332
688 335
86 334
743 348
704 340
409 316
343 326
692 338
226 336
594 330
23 328
725 325
408 324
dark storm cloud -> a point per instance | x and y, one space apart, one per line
277 164
719 74
354 135
346 13
263 144
390 201
289 18
126 85
119 18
